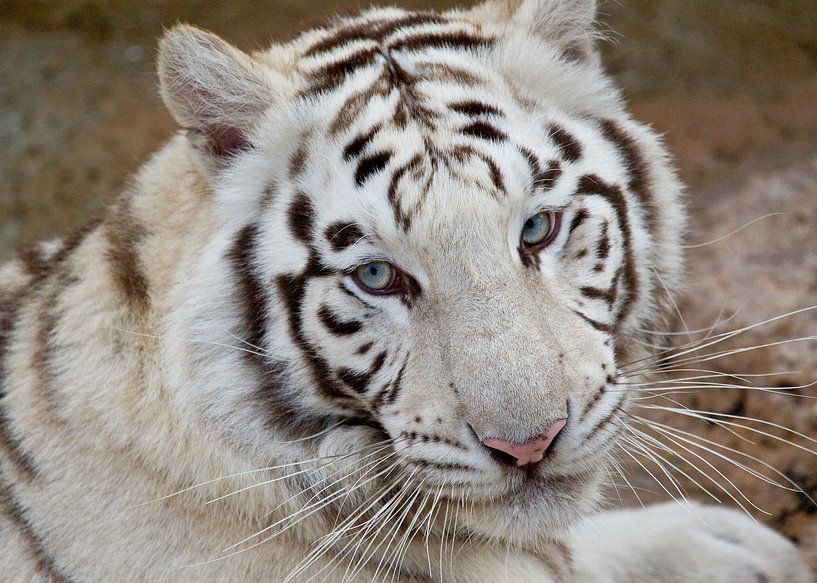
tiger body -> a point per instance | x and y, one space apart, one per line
208 326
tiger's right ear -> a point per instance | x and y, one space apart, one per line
213 89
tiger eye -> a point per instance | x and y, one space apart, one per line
375 276
540 229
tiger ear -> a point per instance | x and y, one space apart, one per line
570 25
213 89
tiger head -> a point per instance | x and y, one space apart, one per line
439 238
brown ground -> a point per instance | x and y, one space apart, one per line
732 83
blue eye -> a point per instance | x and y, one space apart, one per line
376 276
540 229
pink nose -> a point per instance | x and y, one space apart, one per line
531 451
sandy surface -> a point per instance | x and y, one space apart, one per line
731 83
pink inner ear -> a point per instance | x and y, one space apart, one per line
225 141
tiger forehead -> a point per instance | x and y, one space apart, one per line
390 54
412 97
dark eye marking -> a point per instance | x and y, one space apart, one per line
568 145
484 131
542 178
359 381
342 235
335 325
593 185
475 108
371 165
579 218
300 217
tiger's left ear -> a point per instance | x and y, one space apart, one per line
569 25
213 89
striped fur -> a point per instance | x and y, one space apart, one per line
209 324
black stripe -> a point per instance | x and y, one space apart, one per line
331 76
359 381
301 217
125 236
391 390
592 184
542 178
371 165
252 298
638 182
595 293
18 516
368 30
475 108
9 441
599 394
350 110
484 131
442 40
297 163
47 321
496 174
400 218
568 145
40 269
10 309
356 146
270 194
579 218
343 235
607 419
428 71
34 263
601 327
335 325
603 244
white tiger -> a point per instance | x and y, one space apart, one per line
362 320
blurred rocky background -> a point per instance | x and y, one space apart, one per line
731 83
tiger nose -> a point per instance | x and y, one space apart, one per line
530 452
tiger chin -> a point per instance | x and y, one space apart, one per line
362 319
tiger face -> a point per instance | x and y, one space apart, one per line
438 233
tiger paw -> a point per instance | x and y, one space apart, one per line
674 543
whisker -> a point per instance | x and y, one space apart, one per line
718 484
625 439
675 352
248 472
299 472
652 440
669 432
264 354
738 230
348 525
388 510
304 514
309 505
703 416
672 302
